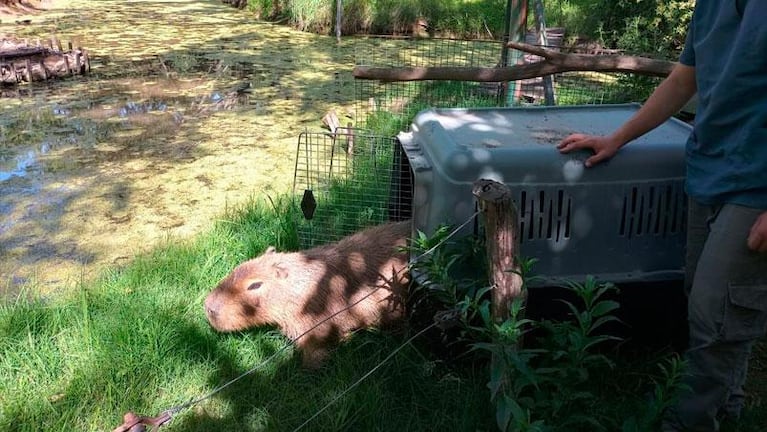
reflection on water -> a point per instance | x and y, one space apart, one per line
21 161
18 165
132 108
55 158
22 186
61 111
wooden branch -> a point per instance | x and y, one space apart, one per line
502 244
553 62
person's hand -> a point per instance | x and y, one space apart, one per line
757 238
602 146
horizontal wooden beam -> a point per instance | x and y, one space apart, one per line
553 62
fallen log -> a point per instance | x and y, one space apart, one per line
553 62
22 62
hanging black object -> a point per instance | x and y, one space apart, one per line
308 204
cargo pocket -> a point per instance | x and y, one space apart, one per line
745 316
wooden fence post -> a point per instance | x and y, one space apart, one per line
502 244
339 14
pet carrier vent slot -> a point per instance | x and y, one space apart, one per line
653 210
545 215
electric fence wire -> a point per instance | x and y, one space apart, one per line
181 407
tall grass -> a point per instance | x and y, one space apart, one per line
650 27
312 15
468 18
124 341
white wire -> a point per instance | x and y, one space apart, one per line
220 388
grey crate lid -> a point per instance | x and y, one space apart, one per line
520 143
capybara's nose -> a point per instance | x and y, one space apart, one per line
210 310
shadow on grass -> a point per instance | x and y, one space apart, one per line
138 341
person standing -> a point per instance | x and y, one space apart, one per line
725 61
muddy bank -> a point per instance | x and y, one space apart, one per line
191 106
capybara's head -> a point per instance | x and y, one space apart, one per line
242 299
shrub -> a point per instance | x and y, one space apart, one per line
650 27
551 382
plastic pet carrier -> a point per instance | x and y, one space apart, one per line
623 220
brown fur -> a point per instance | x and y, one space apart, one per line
298 290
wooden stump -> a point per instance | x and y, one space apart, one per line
22 62
502 244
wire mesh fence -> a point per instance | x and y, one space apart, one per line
360 177
389 106
426 52
349 180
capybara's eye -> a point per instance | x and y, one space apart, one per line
254 286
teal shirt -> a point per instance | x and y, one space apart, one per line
727 149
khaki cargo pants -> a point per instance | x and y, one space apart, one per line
727 305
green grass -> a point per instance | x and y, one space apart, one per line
136 340
387 121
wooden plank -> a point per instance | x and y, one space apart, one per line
43 70
28 70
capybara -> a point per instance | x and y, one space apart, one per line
295 291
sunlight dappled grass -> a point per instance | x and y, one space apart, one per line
137 340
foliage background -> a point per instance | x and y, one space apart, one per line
651 27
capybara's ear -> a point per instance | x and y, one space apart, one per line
270 250
280 271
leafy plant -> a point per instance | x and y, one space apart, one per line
533 386
663 396
443 283
543 373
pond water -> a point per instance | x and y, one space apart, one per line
191 107
20 162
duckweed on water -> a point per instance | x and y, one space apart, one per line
160 138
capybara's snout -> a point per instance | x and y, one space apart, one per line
228 308
220 316
212 308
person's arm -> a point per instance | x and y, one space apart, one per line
667 99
